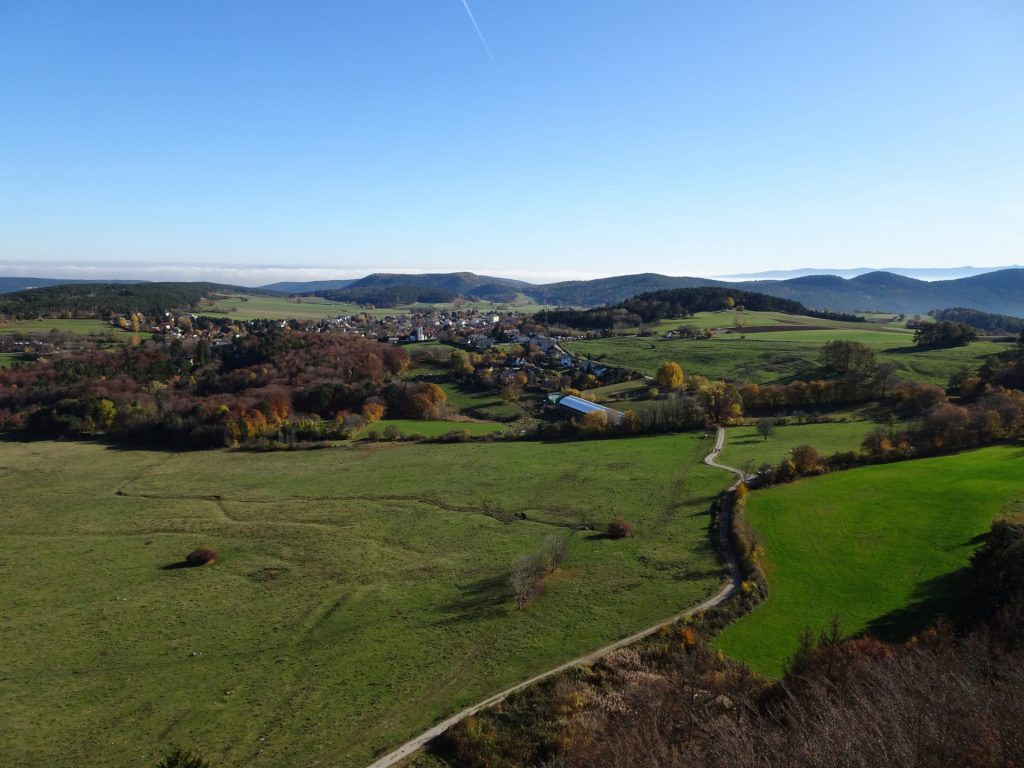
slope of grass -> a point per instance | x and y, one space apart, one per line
746 448
731 320
780 356
483 404
877 546
259 307
360 593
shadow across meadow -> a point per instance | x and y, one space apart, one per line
481 599
941 596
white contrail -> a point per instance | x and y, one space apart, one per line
472 18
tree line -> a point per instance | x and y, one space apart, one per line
943 334
683 302
987 322
271 383
390 295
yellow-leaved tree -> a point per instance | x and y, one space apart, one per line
670 376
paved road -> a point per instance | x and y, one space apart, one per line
725 546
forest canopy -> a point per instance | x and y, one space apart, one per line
682 302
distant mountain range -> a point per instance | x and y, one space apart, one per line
918 273
307 287
1000 291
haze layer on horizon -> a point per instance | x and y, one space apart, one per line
577 139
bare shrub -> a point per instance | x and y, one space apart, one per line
525 575
553 552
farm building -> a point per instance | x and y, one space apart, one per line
580 407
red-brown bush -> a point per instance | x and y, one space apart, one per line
201 556
619 529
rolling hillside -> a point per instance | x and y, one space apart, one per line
1001 291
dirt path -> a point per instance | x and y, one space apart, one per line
725 547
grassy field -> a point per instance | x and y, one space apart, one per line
747 449
779 356
878 546
409 427
259 307
360 593
8 358
483 404
729 320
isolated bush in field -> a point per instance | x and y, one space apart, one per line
765 427
201 556
619 529
182 758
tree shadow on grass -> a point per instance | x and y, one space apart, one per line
179 565
975 541
750 440
940 596
481 599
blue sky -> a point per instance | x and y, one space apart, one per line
315 139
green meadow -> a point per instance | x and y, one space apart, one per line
769 356
260 307
746 448
484 404
729 320
880 547
360 593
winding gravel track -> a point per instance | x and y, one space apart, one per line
725 547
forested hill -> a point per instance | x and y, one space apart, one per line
12 284
985 322
388 290
681 302
306 287
999 292
106 299
610 290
